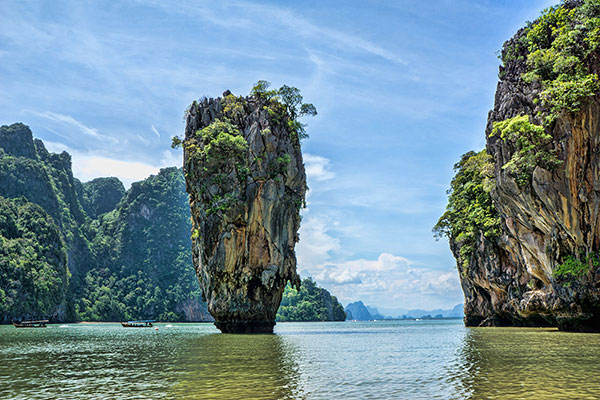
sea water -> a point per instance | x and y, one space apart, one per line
329 360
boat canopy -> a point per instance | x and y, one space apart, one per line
41 321
144 321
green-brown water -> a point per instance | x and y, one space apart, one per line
346 360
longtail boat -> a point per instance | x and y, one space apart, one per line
30 324
146 323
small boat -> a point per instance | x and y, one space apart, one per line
146 323
30 324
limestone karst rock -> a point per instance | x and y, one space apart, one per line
543 136
246 181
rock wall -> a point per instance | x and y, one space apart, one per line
512 280
245 198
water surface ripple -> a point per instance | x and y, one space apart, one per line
335 360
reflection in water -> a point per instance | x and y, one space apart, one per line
518 363
341 360
228 366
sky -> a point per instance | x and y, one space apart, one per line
402 89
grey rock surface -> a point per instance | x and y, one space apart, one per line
244 224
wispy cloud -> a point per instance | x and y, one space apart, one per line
69 120
68 124
279 18
155 131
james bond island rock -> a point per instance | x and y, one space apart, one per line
246 180
523 217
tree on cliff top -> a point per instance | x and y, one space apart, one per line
292 99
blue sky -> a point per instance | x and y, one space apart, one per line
402 89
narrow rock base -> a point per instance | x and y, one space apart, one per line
245 326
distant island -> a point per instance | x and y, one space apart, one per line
358 311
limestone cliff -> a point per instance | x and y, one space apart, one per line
541 266
246 181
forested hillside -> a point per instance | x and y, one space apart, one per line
310 303
143 256
128 253
92 251
33 262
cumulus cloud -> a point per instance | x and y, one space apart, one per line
317 168
389 281
316 241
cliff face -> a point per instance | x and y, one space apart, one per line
544 139
246 181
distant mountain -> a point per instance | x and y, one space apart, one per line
357 311
398 313
455 312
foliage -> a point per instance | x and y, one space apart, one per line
176 142
309 303
101 195
573 268
261 90
222 142
33 262
234 106
291 99
531 142
470 210
278 165
143 263
560 48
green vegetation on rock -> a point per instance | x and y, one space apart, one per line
102 195
33 262
560 51
572 267
132 261
532 144
309 303
470 210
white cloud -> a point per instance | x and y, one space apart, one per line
317 167
155 131
87 167
315 241
67 120
389 281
